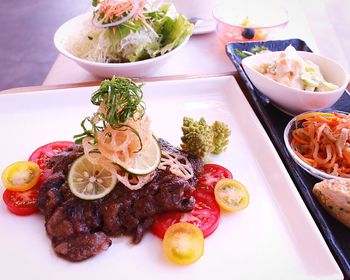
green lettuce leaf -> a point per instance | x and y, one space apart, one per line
163 31
173 32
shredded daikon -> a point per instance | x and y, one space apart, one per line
151 30
132 182
119 147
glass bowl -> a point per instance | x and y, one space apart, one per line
294 124
248 22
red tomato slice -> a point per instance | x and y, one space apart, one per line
21 203
212 174
43 153
25 203
205 215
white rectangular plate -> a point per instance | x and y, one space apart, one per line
274 238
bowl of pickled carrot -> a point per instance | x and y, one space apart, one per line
319 143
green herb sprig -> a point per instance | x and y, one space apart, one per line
252 51
122 99
240 53
258 49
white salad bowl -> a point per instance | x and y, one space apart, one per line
107 70
294 101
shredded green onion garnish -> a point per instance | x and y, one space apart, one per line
122 99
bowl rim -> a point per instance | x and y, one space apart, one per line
299 91
281 24
305 166
60 47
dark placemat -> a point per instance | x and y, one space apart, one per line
274 121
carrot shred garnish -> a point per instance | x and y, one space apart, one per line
322 141
110 10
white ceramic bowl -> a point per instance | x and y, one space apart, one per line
291 100
292 125
108 70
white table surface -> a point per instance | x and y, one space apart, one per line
205 54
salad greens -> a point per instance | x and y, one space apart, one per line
252 51
154 33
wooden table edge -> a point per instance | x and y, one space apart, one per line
95 83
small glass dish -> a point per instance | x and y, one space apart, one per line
248 22
291 126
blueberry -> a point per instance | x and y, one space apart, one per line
248 33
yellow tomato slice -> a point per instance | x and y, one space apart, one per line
21 176
231 195
183 243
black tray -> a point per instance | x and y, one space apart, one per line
274 121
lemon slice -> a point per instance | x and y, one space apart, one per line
90 181
146 161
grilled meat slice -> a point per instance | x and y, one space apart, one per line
73 216
49 194
62 161
58 225
79 228
130 212
81 246
74 227
173 193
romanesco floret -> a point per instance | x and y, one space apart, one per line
201 139
197 137
221 134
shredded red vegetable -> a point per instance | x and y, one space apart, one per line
323 142
115 12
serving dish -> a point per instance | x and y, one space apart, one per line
274 121
266 241
107 70
292 125
204 26
293 100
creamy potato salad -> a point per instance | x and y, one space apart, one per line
292 70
